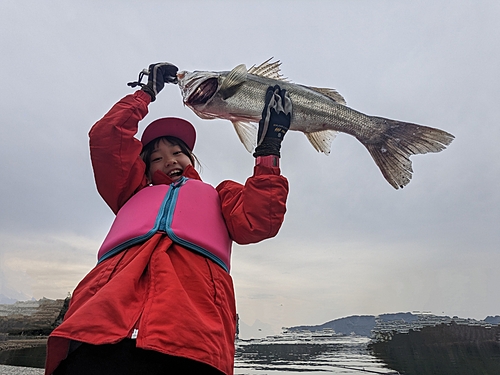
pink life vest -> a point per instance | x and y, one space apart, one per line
188 210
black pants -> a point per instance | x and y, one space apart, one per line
124 358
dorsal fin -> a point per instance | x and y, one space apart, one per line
235 78
268 70
322 140
331 93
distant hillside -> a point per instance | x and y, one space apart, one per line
361 324
493 319
6 300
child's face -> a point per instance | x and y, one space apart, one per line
169 159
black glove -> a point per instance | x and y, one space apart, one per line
159 74
275 122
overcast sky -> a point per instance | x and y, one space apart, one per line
350 243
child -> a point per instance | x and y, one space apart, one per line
160 299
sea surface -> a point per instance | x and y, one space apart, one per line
292 354
307 353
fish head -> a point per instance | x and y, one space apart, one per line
212 95
197 87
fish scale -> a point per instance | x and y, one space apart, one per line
320 113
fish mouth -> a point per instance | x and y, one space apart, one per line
203 92
198 87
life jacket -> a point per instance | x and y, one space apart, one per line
188 211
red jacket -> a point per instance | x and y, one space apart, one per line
180 302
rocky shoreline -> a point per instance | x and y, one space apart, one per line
23 351
24 330
32 318
445 349
22 343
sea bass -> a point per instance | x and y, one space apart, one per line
319 113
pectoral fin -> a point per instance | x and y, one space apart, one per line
233 81
247 133
322 140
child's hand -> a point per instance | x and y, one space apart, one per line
159 74
275 122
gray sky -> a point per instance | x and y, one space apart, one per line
350 243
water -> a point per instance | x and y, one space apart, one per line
307 353
443 350
289 354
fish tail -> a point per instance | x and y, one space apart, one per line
398 142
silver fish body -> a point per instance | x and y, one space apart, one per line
319 113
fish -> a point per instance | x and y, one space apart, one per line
320 113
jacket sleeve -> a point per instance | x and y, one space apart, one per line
255 211
118 169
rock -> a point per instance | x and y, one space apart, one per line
32 317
